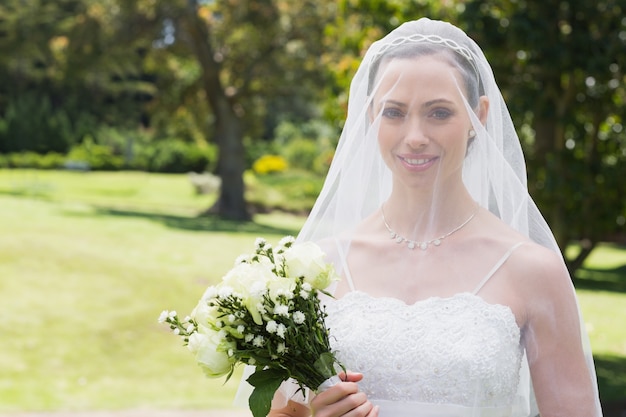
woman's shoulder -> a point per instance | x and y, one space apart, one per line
530 263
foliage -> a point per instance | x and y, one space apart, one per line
177 156
292 191
562 69
95 156
79 55
51 160
308 146
268 164
31 123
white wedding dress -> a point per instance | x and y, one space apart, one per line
454 357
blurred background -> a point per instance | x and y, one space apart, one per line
144 144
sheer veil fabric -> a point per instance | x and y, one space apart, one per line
492 167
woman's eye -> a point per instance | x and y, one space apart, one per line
441 114
393 113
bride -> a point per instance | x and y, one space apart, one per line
455 300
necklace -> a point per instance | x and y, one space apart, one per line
412 244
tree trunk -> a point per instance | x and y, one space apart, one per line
231 202
586 247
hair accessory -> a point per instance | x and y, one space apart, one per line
416 38
412 244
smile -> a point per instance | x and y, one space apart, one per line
417 161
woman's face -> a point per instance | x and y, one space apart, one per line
424 126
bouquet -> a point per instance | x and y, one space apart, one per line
266 312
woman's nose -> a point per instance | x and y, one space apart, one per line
415 136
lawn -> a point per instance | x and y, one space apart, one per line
89 260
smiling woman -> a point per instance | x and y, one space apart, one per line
419 103
468 310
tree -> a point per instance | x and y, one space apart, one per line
253 55
76 63
561 65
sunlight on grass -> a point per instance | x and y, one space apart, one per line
87 270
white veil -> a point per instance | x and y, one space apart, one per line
494 171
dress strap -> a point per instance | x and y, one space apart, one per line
344 265
496 267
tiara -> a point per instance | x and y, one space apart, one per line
416 38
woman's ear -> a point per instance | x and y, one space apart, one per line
483 109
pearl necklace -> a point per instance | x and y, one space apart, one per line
412 244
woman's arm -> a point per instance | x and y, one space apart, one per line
561 379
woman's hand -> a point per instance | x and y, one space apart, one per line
343 399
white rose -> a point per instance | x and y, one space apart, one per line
204 314
243 277
211 350
307 260
250 281
282 286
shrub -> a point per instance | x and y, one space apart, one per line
177 156
269 163
94 156
32 123
301 153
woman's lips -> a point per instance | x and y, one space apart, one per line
418 163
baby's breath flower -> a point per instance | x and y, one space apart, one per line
258 341
281 348
260 242
164 315
241 328
190 328
231 318
307 287
176 331
271 326
304 294
298 317
225 292
251 361
280 331
286 241
248 337
281 310
242 259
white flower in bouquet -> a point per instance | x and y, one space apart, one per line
211 350
307 260
250 281
265 312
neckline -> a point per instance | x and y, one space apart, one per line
431 299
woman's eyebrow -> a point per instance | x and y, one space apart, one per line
437 101
394 102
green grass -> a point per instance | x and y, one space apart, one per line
89 260
84 273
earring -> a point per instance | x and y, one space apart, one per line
471 133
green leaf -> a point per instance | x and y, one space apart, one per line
265 383
325 365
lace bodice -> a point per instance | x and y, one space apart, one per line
459 350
